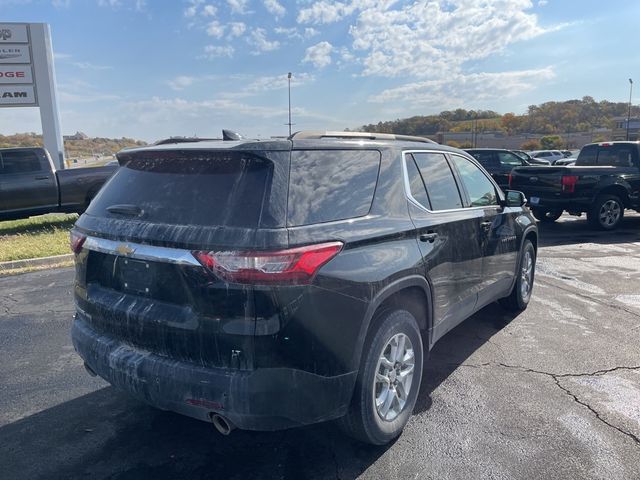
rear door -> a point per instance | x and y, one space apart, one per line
447 237
27 181
496 229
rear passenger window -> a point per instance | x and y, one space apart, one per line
329 185
480 189
616 155
486 159
587 155
418 191
19 162
508 159
438 178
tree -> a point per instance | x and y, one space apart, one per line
453 143
532 144
551 142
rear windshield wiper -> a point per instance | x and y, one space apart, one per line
127 210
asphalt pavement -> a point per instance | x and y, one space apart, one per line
551 393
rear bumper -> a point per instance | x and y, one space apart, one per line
262 399
558 203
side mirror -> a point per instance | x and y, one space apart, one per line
515 199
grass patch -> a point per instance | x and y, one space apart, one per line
35 237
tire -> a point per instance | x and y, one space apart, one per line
519 298
364 419
606 213
546 216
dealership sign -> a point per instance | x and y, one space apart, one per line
27 79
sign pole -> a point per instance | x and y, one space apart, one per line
45 81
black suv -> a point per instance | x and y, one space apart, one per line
269 284
498 162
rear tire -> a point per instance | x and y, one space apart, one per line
546 216
606 213
518 299
388 381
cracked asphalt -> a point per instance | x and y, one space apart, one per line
551 393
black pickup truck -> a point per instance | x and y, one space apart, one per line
30 184
603 183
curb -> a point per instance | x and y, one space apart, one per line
35 262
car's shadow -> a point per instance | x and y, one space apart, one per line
106 435
574 230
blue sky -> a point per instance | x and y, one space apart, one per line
149 69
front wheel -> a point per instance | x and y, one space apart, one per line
518 299
388 380
606 212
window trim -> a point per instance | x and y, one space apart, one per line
456 177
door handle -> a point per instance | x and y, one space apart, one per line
428 237
486 225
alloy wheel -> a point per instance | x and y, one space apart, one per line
394 377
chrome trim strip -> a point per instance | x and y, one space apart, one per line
142 252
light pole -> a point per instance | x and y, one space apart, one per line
289 80
629 111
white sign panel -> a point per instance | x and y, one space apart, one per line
13 33
17 95
14 53
15 74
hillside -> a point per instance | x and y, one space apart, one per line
547 118
80 148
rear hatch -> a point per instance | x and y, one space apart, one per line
138 279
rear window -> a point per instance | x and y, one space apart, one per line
194 188
329 185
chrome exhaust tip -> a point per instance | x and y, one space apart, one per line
223 425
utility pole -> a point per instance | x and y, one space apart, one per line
289 80
629 111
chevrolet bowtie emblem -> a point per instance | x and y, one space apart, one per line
123 249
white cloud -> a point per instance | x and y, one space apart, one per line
319 54
274 7
61 3
181 82
464 89
294 33
542 3
258 39
209 11
236 29
238 6
215 51
192 9
90 66
215 29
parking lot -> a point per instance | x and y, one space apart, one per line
551 393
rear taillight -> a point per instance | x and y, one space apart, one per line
294 266
76 241
569 183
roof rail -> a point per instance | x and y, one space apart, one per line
317 134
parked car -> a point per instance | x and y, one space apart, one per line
31 185
603 183
529 159
498 162
270 284
550 155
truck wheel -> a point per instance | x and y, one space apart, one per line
388 381
518 299
546 216
606 212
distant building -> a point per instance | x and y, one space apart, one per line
620 128
76 136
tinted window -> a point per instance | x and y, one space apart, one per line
19 162
328 185
416 184
618 155
509 159
225 188
480 189
587 155
438 178
486 159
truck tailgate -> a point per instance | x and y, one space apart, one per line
538 179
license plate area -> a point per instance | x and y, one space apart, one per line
136 276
